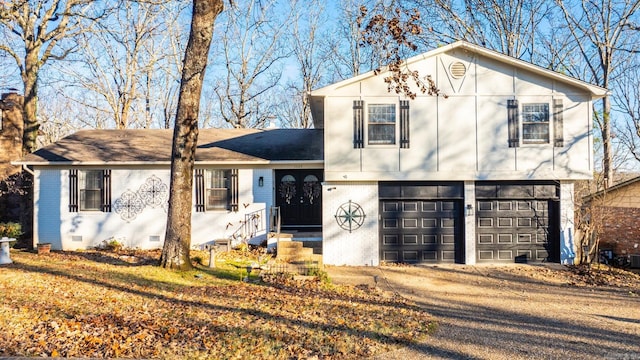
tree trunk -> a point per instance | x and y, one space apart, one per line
175 253
30 109
607 155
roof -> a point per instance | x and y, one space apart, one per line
253 146
615 187
595 91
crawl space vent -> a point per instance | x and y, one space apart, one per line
457 70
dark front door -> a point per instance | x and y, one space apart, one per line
299 196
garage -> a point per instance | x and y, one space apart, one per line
421 222
517 222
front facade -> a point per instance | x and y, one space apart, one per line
99 186
484 174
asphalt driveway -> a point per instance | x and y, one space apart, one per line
511 312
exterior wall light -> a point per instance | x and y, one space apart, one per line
468 210
261 181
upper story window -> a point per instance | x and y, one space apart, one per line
89 190
535 123
382 124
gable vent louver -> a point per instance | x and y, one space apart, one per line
457 70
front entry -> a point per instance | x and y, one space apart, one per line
299 196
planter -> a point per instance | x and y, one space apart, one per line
44 248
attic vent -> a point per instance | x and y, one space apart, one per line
457 70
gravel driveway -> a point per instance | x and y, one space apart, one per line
511 312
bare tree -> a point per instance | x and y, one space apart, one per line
603 35
175 252
253 49
126 62
311 58
37 30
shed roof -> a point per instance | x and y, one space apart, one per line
233 146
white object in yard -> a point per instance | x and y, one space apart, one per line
5 257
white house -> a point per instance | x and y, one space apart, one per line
484 174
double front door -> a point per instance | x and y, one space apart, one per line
299 196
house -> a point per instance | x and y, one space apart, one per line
615 213
97 186
483 175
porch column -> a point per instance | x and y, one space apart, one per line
469 216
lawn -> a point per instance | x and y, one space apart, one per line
106 304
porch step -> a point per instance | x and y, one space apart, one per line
294 252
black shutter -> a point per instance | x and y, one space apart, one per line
558 127
404 124
358 124
514 125
106 190
199 180
233 201
73 190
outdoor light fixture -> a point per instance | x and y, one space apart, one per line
468 211
261 181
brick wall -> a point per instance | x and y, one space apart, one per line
621 230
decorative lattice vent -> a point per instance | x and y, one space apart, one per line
457 70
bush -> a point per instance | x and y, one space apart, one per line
10 230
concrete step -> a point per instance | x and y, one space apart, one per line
283 251
290 245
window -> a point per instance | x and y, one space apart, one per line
535 123
89 190
382 124
216 190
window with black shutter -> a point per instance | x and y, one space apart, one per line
216 190
89 190
404 124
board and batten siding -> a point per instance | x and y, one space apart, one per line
464 136
65 230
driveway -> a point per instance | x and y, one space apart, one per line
511 311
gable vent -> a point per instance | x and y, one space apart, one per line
457 70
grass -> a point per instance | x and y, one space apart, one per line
105 304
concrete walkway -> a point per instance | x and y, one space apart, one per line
510 312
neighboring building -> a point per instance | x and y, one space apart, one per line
618 209
483 175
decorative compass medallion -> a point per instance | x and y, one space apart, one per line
350 216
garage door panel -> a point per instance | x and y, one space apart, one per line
512 230
427 230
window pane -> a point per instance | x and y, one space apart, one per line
90 199
217 191
382 134
382 113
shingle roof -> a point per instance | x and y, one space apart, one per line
154 146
